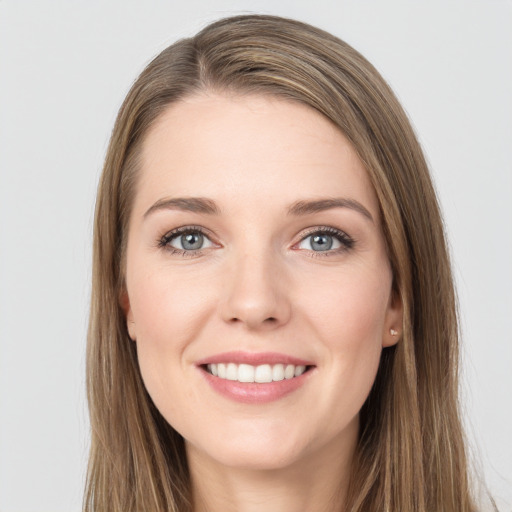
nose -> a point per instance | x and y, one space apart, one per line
255 293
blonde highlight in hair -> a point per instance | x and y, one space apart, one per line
411 455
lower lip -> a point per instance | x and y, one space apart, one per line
253 392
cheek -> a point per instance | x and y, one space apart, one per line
350 308
168 312
166 306
349 320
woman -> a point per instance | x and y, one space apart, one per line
273 321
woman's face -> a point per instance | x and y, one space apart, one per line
255 250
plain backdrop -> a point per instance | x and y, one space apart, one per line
64 70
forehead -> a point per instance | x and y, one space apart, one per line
248 149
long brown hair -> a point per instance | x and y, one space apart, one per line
411 454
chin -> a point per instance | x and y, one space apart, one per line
256 460
250 453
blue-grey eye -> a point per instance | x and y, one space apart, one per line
320 242
190 241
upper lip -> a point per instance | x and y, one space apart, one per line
254 359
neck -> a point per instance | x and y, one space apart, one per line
316 482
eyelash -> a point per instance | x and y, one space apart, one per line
346 241
185 230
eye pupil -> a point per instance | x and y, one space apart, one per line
321 242
192 241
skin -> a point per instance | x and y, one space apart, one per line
258 285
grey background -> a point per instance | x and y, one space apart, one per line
64 70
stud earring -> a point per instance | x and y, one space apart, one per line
393 332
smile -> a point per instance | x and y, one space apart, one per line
263 373
255 377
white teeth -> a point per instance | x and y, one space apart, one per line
278 372
289 371
246 373
232 371
299 370
261 374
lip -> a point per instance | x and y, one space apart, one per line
254 359
252 392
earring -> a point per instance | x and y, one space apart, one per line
393 332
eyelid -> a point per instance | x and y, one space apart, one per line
185 229
164 241
346 241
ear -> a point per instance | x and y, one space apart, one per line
393 325
124 302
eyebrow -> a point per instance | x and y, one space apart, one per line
187 204
299 208
320 205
